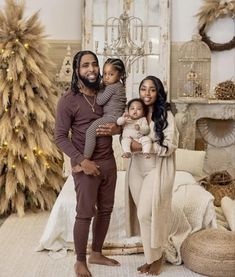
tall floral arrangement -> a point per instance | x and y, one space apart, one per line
30 164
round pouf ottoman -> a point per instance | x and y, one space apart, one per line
210 252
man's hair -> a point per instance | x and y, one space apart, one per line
119 66
76 65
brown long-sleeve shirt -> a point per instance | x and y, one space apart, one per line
75 114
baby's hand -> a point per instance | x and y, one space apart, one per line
126 116
137 127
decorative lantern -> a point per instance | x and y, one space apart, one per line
194 74
63 78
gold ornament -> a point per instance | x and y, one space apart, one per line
225 90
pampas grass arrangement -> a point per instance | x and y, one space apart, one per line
30 164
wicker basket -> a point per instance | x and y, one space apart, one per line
219 184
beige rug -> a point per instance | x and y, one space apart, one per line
19 238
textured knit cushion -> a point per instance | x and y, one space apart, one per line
210 252
190 161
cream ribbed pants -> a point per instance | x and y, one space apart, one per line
141 182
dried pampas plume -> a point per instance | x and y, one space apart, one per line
30 164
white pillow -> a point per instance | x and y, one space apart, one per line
67 170
190 160
228 207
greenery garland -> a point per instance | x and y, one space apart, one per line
210 11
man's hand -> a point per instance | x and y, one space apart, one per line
135 146
108 129
126 116
90 168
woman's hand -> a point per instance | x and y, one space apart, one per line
108 129
135 146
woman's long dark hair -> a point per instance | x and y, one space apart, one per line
160 108
76 65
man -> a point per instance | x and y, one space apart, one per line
94 179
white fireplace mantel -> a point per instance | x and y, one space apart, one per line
190 110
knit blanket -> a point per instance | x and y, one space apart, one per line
192 210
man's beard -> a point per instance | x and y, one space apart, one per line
91 85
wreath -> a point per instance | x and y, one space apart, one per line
210 11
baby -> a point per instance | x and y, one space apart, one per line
135 126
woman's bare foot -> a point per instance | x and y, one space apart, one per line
99 258
143 268
155 267
81 269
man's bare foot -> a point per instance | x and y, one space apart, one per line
81 269
126 155
143 268
99 258
155 267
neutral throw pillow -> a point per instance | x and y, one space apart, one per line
190 160
228 207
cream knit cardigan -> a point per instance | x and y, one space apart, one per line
162 193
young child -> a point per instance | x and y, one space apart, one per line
113 100
135 127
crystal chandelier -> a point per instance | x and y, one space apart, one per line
126 41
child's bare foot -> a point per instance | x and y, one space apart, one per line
81 269
147 156
143 268
99 258
155 267
126 155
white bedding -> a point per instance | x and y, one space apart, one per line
189 216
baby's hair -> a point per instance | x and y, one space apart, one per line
119 66
145 108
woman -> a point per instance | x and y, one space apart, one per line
150 182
